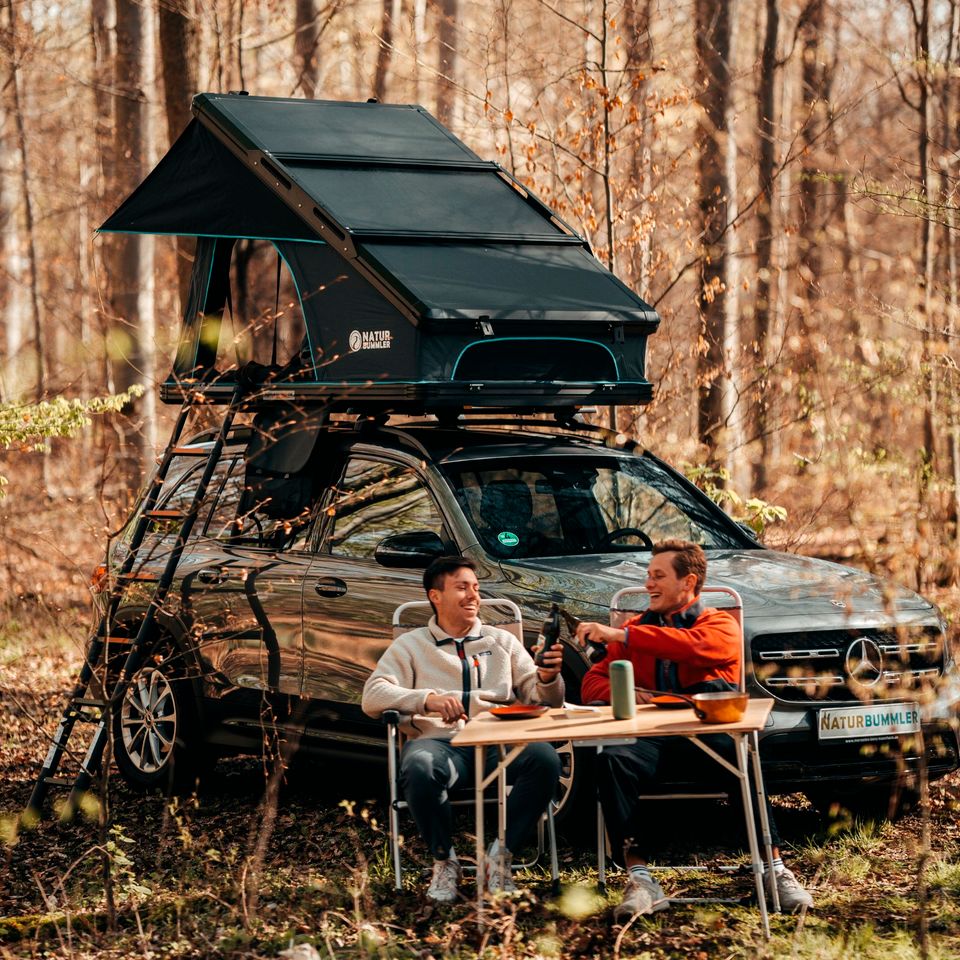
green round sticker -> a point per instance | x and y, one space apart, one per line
508 539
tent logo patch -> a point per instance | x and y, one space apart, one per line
370 340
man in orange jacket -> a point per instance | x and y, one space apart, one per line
677 645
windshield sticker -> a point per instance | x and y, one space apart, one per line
508 539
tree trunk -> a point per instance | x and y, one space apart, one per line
124 341
305 47
810 226
639 42
178 55
385 50
448 12
11 45
713 84
766 166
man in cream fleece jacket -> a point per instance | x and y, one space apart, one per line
439 676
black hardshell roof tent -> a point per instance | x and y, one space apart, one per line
427 277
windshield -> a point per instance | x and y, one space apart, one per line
566 506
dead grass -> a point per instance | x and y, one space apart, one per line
179 868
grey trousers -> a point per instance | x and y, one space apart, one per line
431 769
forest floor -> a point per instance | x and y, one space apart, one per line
180 866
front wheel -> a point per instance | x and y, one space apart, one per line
156 741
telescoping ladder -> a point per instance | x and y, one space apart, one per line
84 706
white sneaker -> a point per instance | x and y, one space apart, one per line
640 896
499 875
445 880
792 894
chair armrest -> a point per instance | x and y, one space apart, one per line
390 717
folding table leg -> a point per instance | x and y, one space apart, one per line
744 776
601 844
478 757
554 864
754 751
502 813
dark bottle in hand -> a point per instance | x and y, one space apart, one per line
549 634
596 650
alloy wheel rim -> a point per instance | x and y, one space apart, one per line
148 721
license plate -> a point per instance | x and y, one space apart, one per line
865 723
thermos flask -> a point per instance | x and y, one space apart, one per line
622 697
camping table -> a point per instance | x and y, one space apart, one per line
598 729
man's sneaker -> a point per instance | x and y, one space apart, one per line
642 895
497 870
445 880
791 891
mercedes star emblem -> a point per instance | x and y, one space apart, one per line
864 662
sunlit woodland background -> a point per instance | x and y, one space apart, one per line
779 178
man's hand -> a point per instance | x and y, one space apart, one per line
552 662
447 705
598 631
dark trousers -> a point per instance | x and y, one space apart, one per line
626 771
431 769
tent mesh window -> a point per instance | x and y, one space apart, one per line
535 359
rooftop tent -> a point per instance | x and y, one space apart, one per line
426 276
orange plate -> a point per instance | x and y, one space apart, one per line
669 703
518 711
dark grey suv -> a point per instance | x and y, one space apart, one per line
314 532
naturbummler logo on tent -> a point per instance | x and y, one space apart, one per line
369 340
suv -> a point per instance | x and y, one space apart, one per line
312 534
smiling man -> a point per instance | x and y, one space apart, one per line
438 677
677 645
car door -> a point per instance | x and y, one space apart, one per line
243 594
349 598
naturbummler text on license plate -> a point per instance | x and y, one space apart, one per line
868 722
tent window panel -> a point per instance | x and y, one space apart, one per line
467 203
543 360
257 324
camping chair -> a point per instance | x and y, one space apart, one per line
465 796
618 617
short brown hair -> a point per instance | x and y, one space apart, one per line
438 570
687 558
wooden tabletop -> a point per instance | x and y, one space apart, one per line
562 724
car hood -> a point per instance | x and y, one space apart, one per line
771 584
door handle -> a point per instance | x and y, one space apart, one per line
330 587
211 575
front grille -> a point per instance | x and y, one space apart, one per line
847 665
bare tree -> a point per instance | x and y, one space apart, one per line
124 342
385 50
12 51
712 24
179 54
448 12
766 132
305 39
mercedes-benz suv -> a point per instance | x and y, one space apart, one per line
313 532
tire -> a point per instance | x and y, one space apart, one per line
156 741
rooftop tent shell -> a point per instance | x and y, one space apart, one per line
428 277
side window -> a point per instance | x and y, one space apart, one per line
376 500
221 523
255 511
181 497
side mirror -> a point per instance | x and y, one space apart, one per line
410 550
